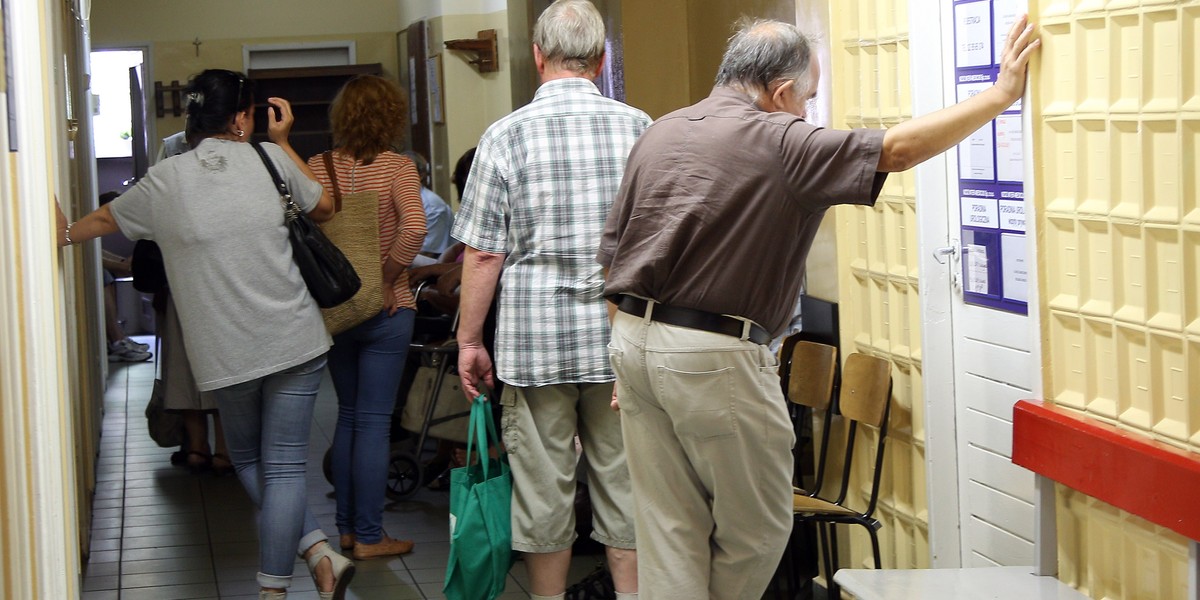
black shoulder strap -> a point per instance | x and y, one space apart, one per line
279 183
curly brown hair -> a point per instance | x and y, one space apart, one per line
368 116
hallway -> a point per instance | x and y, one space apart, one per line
159 532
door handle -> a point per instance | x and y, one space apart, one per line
941 253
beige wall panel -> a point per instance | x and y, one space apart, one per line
877 246
1116 155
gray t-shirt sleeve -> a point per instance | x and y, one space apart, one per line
305 192
134 209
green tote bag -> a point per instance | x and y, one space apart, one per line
480 515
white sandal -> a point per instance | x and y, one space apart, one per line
343 570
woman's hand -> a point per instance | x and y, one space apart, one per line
279 120
389 300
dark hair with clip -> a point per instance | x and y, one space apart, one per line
213 98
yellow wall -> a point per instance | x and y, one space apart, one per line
879 300
224 26
473 100
121 21
657 62
1117 101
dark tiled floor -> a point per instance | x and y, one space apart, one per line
160 532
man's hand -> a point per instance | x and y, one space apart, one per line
1014 61
474 365
616 405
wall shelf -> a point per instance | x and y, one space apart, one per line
484 48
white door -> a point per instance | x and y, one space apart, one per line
978 361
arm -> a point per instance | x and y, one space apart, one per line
913 142
279 125
406 201
612 313
481 272
97 223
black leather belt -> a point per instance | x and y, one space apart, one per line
693 319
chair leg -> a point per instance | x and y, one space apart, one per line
875 547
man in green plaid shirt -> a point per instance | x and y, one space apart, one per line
539 192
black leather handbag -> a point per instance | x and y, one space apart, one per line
326 271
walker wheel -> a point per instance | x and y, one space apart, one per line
404 476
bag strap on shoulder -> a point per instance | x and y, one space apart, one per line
327 156
290 209
279 182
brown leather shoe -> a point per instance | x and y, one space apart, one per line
346 541
385 547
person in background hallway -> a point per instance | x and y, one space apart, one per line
120 347
438 217
254 335
543 180
179 384
367 360
715 217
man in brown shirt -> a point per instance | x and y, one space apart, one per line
705 249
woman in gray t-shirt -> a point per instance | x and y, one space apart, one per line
253 332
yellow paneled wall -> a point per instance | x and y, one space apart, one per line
880 305
1116 139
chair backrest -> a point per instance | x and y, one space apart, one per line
812 373
866 389
866 397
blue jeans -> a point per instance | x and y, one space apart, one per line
267 421
366 364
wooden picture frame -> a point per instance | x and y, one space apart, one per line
437 100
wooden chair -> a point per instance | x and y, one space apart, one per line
864 398
809 379
812 378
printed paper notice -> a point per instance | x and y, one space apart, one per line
980 212
1004 14
1010 164
1016 271
1012 215
967 90
973 35
977 268
975 158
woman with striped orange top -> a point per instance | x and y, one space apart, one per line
367 360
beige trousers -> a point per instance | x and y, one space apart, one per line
539 427
708 441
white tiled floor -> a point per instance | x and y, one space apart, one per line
160 532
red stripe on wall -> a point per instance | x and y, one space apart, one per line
1150 479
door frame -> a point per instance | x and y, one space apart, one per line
936 291
938 284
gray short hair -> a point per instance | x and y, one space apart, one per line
763 52
570 34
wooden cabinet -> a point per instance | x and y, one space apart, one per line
310 91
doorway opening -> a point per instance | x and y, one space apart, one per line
120 143
118 117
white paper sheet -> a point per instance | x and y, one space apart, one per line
980 212
972 34
977 268
1010 153
1016 272
975 160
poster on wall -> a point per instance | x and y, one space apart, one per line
991 165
